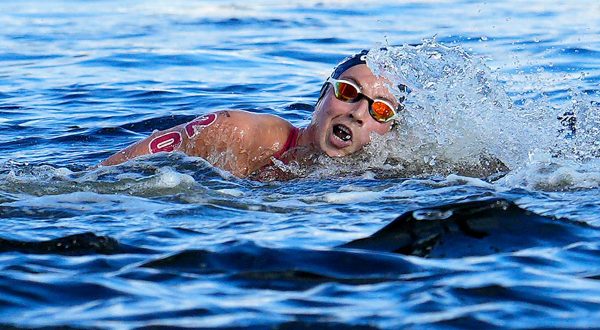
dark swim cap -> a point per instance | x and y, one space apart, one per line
347 63
356 59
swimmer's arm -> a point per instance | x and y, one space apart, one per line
178 138
237 141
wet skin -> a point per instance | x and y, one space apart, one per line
243 143
355 117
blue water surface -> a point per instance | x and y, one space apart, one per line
175 242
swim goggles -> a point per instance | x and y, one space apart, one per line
347 91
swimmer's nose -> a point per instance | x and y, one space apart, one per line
360 111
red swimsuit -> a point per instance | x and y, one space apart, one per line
290 143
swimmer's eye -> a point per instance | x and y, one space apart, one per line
381 111
345 91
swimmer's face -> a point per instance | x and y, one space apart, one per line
343 128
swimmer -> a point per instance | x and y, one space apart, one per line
353 104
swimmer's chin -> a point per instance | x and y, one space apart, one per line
335 152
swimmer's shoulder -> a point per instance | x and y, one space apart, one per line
262 136
256 127
246 118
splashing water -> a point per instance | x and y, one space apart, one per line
170 241
459 120
457 114
146 176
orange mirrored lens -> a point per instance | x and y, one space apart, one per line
346 92
381 111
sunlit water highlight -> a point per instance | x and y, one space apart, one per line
198 247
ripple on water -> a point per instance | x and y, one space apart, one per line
170 241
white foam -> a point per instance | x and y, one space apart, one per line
88 201
231 192
168 178
48 180
453 178
555 175
352 197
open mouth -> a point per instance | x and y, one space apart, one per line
343 132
